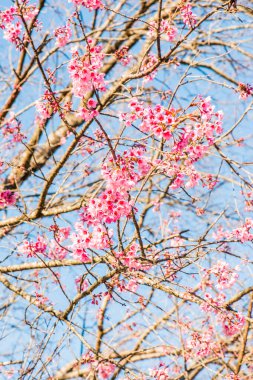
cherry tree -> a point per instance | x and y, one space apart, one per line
126 191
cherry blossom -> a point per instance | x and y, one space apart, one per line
63 35
85 71
245 90
166 29
90 4
189 18
8 198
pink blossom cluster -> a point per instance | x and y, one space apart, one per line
12 129
32 249
29 11
88 112
243 233
120 177
47 105
90 4
191 144
212 304
157 120
63 35
161 373
82 239
12 33
147 64
226 276
123 286
81 284
166 29
232 376
126 171
131 259
8 198
40 299
123 56
248 201
56 250
85 70
232 323
109 207
189 18
7 16
221 234
245 90
104 368
201 344
13 29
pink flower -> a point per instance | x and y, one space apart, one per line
12 33
85 70
12 128
123 56
81 284
231 323
57 251
161 373
32 249
92 103
166 29
148 63
7 16
225 275
202 344
90 4
245 90
105 369
8 198
63 35
188 17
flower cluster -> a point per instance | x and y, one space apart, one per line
121 176
149 61
126 171
243 233
104 368
10 22
123 56
32 249
90 4
157 120
48 105
8 198
166 29
82 239
191 143
81 284
201 344
225 275
161 373
88 112
63 35
85 70
231 323
130 258
245 90
189 18
12 130
109 207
